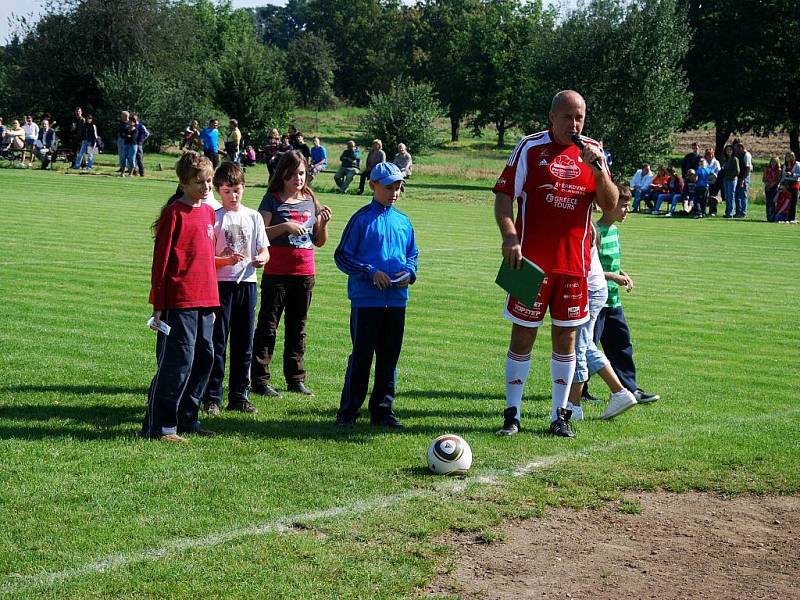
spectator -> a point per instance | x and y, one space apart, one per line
640 184
351 161
191 137
129 144
730 173
31 130
704 173
319 157
77 133
300 145
292 135
657 186
233 141
141 135
771 178
122 128
673 193
2 128
13 137
210 137
743 184
791 179
690 161
689 196
374 157
248 157
714 181
46 144
403 160
271 151
88 145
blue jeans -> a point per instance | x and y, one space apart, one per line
672 198
129 160
121 152
729 192
741 197
85 150
589 359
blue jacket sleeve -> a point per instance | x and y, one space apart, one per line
346 254
412 254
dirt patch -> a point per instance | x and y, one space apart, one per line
678 546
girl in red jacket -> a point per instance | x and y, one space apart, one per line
184 295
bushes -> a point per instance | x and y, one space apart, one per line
403 114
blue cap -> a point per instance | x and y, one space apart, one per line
385 173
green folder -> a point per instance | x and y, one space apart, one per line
523 284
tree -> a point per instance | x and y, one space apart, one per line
309 69
448 55
279 25
510 38
404 114
630 73
250 85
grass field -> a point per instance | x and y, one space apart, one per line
283 504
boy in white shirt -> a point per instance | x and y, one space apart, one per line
241 248
31 133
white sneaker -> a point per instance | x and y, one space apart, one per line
577 412
619 403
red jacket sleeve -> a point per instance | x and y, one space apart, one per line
161 253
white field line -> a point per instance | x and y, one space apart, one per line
16 583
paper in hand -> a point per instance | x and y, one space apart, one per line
162 326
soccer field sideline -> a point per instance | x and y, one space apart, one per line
453 485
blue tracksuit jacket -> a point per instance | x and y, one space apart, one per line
377 238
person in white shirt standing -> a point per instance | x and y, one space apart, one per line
31 134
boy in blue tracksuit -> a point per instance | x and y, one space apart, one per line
379 255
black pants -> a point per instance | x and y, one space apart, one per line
378 332
611 330
235 322
184 360
700 200
364 177
140 160
212 156
279 293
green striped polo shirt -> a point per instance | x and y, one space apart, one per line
610 259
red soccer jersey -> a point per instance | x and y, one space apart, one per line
183 273
554 190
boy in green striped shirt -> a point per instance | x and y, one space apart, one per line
611 329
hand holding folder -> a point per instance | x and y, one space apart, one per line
523 284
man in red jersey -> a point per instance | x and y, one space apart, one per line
554 183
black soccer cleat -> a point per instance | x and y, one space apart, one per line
560 427
643 397
510 422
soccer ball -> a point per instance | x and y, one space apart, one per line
449 455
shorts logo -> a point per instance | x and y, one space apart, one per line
563 167
501 182
543 162
574 311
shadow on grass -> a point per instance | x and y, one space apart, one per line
94 422
84 389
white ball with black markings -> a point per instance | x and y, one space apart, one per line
449 455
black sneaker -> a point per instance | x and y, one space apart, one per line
643 397
245 406
510 422
560 427
586 396
300 388
345 423
265 389
389 420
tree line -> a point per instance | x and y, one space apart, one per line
647 68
